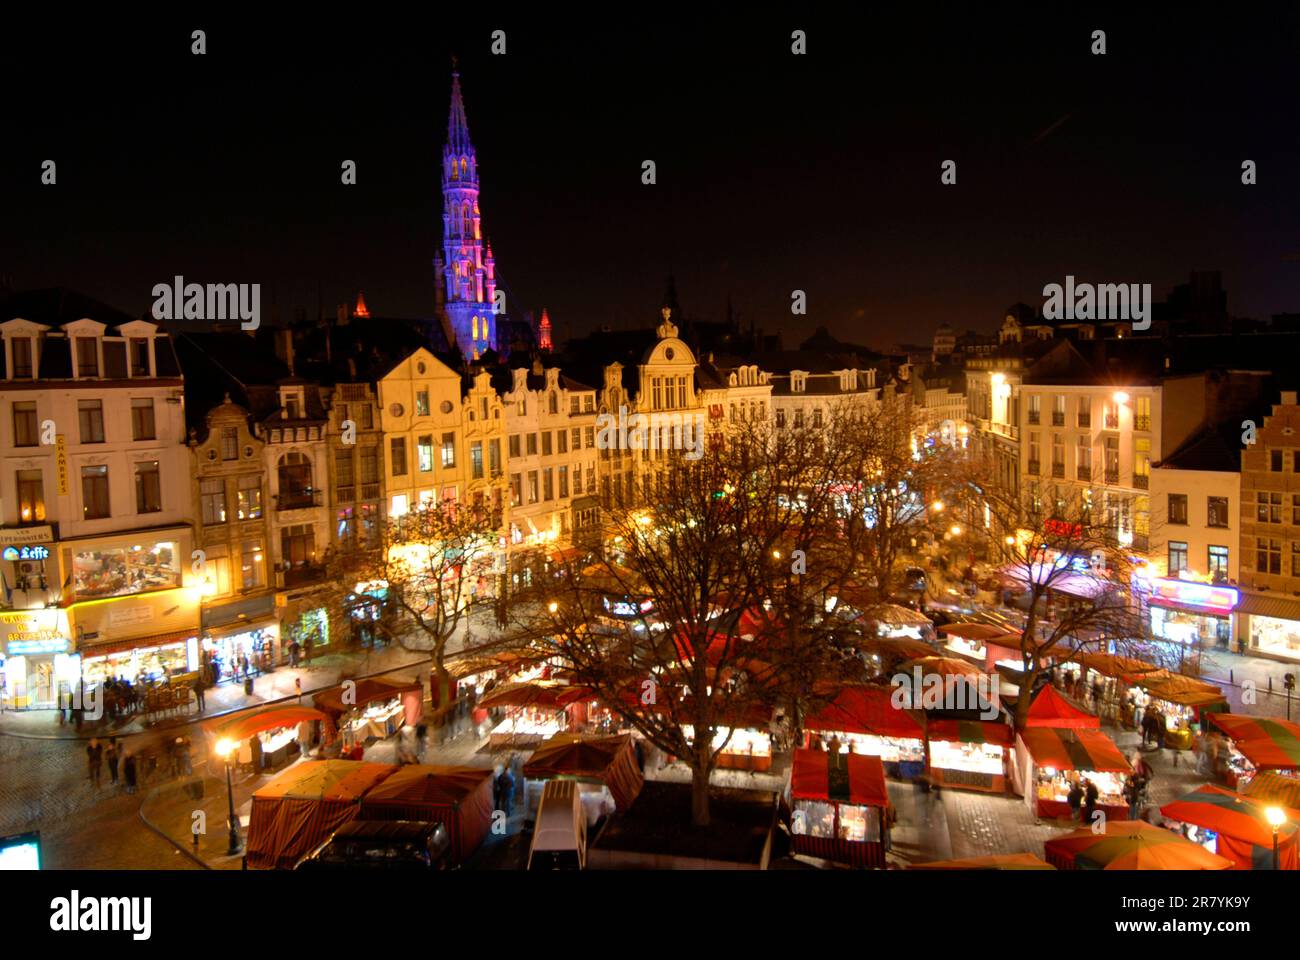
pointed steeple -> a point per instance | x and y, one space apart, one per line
544 333
458 142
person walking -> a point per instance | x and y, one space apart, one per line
95 761
199 690
1075 799
297 688
113 757
1133 794
507 784
310 644
244 663
1090 796
128 772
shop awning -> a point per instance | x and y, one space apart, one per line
103 648
538 694
970 731
1269 605
1052 708
268 718
839 777
1275 788
1176 688
1065 749
977 631
1266 742
865 709
1223 811
1113 665
897 615
371 690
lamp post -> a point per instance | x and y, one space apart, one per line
226 748
1276 817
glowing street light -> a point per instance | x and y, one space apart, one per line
553 607
955 530
1275 817
226 750
1120 397
937 506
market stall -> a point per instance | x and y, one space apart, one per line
1258 743
298 810
605 764
984 644
271 736
840 807
1278 790
1051 708
864 721
1182 701
1129 845
459 797
534 711
373 708
1050 760
895 620
1235 827
970 754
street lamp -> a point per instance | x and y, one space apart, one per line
553 606
955 530
226 749
937 506
1276 817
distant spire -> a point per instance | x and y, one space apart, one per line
544 333
360 310
457 126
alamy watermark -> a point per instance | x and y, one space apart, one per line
211 301
1103 301
933 691
673 430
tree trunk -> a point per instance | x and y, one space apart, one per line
700 792
442 679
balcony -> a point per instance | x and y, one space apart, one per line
1083 473
347 494
1058 418
1034 418
1085 421
1058 471
299 500
1034 468
1142 423
370 491
1141 481
1112 421
1112 478
298 576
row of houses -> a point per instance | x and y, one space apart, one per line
171 497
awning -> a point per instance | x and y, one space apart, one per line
1053 709
970 731
1275 788
103 648
1176 688
1112 665
1223 811
1074 750
1269 605
865 709
1266 742
838 777
1191 608
271 718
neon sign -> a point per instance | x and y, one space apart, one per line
1195 594
26 553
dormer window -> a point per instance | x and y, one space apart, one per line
798 382
23 368
291 404
138 352
87 356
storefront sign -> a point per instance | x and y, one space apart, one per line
32 632
61 463
129 616
28 536
1063 528
1222 599
25 553
21 648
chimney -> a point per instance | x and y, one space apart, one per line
1288 398
284 347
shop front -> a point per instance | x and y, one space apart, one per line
840 808
149 636
1192 614
29 565
304 621
1270 624
1050 761
37 659
233 631
969 754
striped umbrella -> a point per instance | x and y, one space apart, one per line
1130 845
1267 742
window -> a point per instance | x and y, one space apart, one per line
516 490
532 486
1058 410
1035 454
562 440
294 473
119 571
142 425
1035 408
1268 507
589 437
552 402
87 357
1083 453
422 403
398 450
817 419
1295 510
1177 557
1112 460
1275 461
476 460
514 446
494 457
658 394
1268 555
250 564
369 465
292 409
546 444
367 416
448 450
681 391
1058 455
1142 413
780 418
26 430
1178 508
148 487
424 453
1142 462
139 356
1218 565
94 492
345 526
344 475
1085 411
1216 511
229 443
564 482
250 498
31 497
548 484
212 501
798 419
22 348
90 413
1295 461
531 445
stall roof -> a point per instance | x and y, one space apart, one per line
1051 708
970 731
368 690
269 718
997 861
1275 788
1267 742
1130 845
1066 749
1113 665
610 760
1175 688
841 777
536 694
1224 811
326 780
425 785
977 631
865 709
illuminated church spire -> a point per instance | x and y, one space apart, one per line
544 333
469 272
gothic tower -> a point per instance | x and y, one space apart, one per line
468 270
544 333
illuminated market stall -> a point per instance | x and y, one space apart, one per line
1258 743
458 797
1235 827
373 708
970 754
274 735
1182 701
840 807
1049 760
605 768
864 721
1129 845
533 711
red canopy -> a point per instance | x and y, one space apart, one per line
865 709
270 718
1267 742
370 690
1051 709
299 809
838 777
970 731
1066 749
611 760
1245 835
459 797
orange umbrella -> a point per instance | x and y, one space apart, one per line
1130 845
977 631
943 666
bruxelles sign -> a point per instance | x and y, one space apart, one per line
1063 528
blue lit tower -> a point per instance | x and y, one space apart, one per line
466 263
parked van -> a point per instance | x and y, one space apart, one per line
382 845
560 833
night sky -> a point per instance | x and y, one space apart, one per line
775 172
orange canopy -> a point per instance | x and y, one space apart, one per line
1051 709
1112 665
977 631
1176 688
1067 749
269 718
997 861
370 690
611 760
1275 788
1245 835
1267 742
1129 845
459 797
840 777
